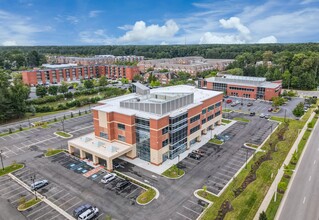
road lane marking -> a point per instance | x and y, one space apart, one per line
304 200
309 178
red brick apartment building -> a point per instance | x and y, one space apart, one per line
58 73
153 125
243 86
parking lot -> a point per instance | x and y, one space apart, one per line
131 192
54 192
12 192
261 106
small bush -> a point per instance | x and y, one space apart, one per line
282 186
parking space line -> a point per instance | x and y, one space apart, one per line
5 188
192 202
15 194
54 216
43 215
190 210
73 205
230 167
55 193
45 206
11 150
68 201
10 191
99 215
131 193
62 197
227 176
183 216
20 197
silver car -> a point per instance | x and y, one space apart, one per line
39 184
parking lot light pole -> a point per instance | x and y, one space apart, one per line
62 121
35 189
1 159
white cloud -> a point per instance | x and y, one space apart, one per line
9 43
96 37
141 32
72 19
94 13
210 38
268 40
126 27
234 22
164 43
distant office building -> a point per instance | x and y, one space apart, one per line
95 60
192 65
153 125
70 72
243 86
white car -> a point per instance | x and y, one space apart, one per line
262 115
108 178
89 214
39 184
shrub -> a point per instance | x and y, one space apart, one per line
282 186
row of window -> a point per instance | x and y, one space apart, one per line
164 143
195 118
121 126
164 130
194 129
242 89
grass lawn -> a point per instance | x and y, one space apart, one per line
28 204
247 203
206 195
146 196
173 172
52 152
216 141
241 119
226 121
10 169
227 110
63 134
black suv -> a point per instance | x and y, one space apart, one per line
194 156
79 210
252 113
121 185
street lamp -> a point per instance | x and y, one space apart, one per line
1 159
62 121
32 178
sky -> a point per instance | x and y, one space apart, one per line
165 22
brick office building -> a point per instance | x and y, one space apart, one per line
58 73
154 125
243 86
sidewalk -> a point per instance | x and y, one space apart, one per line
264 205
168 163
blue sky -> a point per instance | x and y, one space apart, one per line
121 22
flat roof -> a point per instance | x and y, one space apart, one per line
113 104
51 66
104 149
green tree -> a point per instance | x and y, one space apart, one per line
88 84
41 91
19 93
263 216
155 83
33 59
298 110
63 88
103 81
53 90
124 80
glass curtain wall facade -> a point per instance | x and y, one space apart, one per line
143 138
178 127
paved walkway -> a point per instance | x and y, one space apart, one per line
168 163
264 205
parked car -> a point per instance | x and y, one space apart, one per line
233 104
39 184
270 109
79 210
305 109
262 115
108 178
267 116
89 214
252 113
249 104
229 101
199 152
116 165
121 185
194 156
237 102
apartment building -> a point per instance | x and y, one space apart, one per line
243 86
68 72
192 65
153 125
95 60
163 78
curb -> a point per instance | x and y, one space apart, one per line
63 151
21 210
205 200
170 178
55 133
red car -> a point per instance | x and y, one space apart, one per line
229 101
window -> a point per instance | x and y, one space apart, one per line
210 108
217 113
210 117
195 118
204 111
121 138
104 135
164 130
217 104
204 121
164 143
194 129
121 126
242 89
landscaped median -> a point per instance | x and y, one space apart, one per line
216 141
147 196
173 172
241 119
288 172
226 121
52 152
24 205
242 198
13 167
63 134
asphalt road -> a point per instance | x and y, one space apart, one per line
303 198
